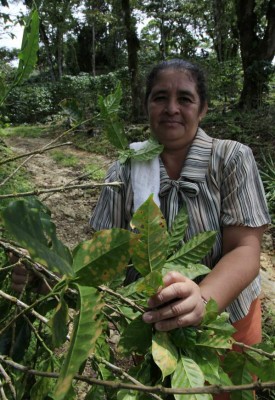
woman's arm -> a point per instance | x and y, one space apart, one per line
180 302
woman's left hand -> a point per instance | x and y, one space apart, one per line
177 304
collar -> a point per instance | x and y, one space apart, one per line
197 160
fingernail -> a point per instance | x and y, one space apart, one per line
147 317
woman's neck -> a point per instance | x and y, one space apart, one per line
173 162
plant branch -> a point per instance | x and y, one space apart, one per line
40 151
214 389
121 372
25 307
8 381
123 299
64 188
271 356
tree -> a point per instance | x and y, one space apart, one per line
256 25
132 49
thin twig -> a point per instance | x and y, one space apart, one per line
123 299
25 307
214 389
32 153
271 356
8 382
64 188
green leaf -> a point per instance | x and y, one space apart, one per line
95 393
59 322
209 362
29 222
124 394
151 252
109 108
71 107
164 353
184 338
188 375
29 48
178 230
190 271
192 251
236 365
211 312
86 329
136 338
220 325
150 284
43 385
151 150
103 258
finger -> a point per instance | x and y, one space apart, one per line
190 319
178 290
171 310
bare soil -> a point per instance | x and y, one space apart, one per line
71 210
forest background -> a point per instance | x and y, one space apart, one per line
87 48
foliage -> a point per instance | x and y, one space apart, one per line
189 356
268 177
66 160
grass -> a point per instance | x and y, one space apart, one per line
23 131
96 172
64 159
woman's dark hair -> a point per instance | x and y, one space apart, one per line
180 65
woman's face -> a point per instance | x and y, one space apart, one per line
174 109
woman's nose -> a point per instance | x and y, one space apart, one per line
172 106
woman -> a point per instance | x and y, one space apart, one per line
219 182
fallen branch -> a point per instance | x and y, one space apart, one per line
64 188
42 148
40 151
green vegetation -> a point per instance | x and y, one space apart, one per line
64 159
24 130
96 172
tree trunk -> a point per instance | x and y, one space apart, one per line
45 40
133 48
257 51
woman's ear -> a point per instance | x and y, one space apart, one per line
203 111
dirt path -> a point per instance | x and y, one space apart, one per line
71 210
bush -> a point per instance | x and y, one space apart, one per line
35 101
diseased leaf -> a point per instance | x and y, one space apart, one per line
59 322
29 222
103 258
178 229
190 271
208 338
136 338
86 329
151 252
164 353
188 375
150 284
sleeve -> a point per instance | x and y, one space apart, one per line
113 209
242 193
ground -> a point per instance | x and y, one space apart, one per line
71 210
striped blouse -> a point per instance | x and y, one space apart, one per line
220 185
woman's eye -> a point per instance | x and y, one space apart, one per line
159 98
184 100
